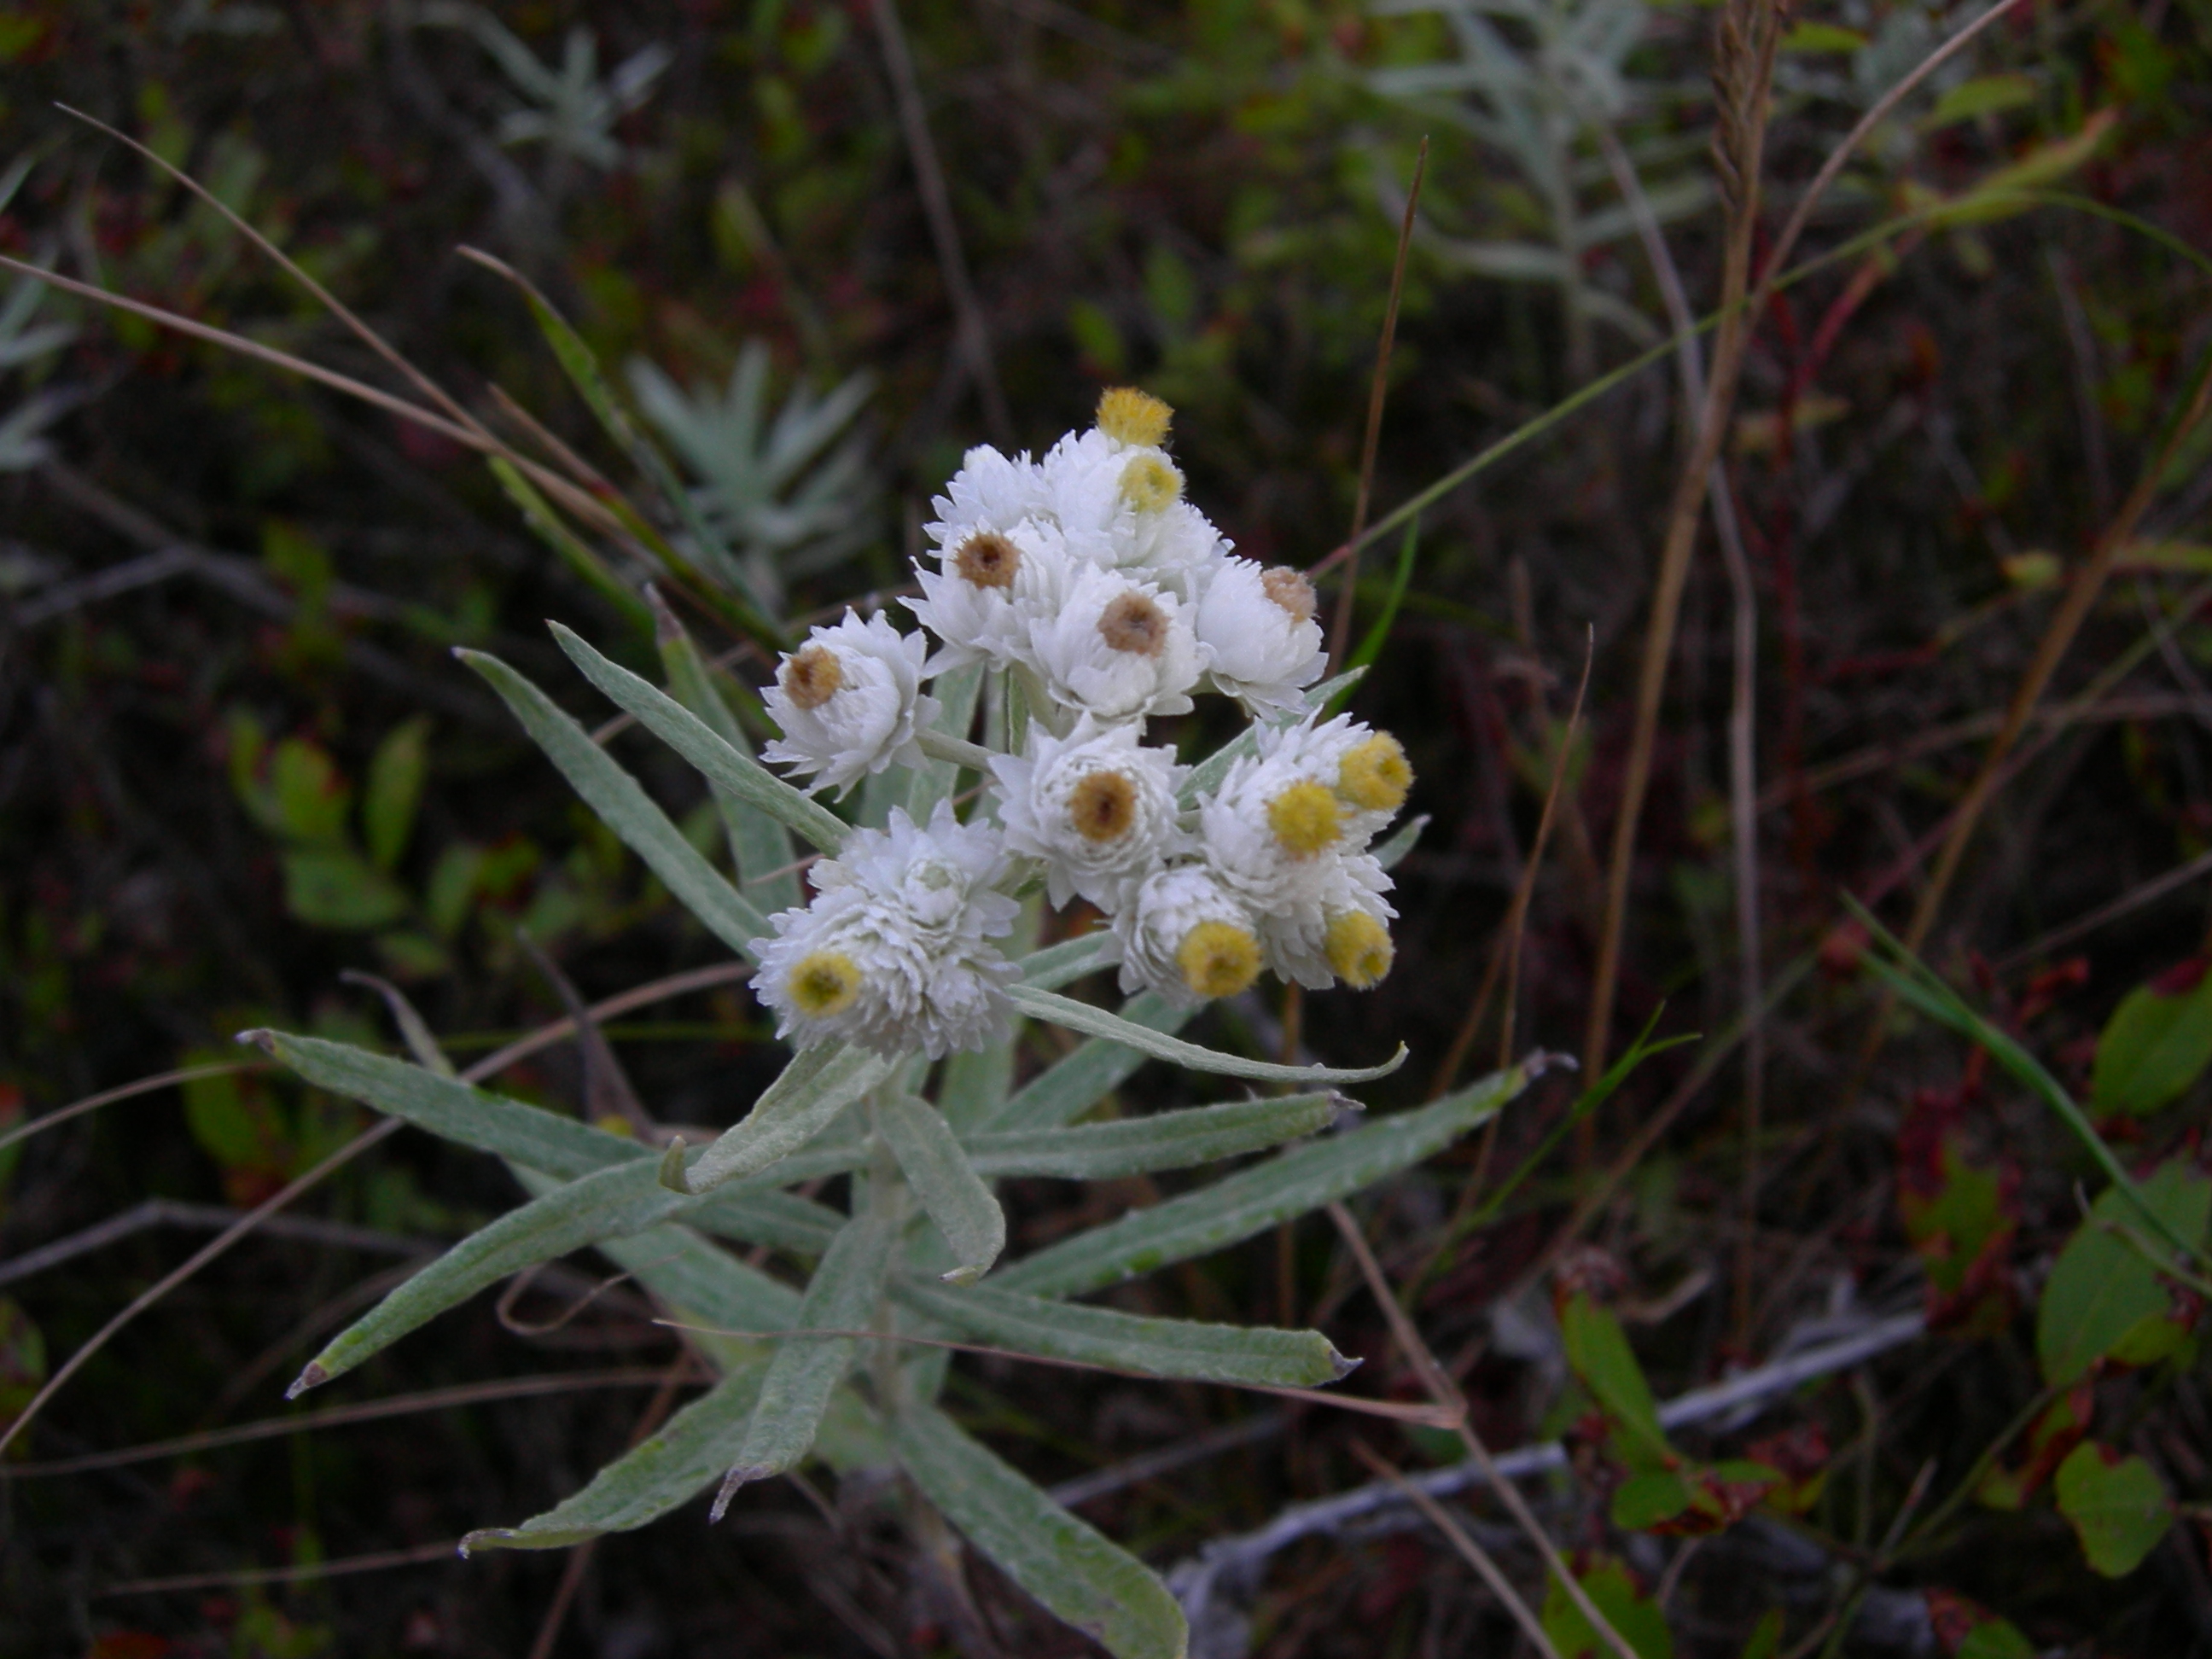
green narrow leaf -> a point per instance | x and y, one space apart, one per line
758 842
764 1216
396 772
576 553
1598 1352
1206 775
625 808
1096 1022
1253 1200
1614 1591
2116 1506
1371 643
1069 960
561 1146
1071 1086
1130 1342
2158 1042
950 1189
805 1097
2101 1292
691 737
1387 853
842 1296
1091 1583
660 1473
1164 1140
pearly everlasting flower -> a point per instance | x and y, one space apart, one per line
991 491
1118 647
1098 808
893 953
1274 834
849 702
1366 770
1121 506
992 586
1344 935
1185 937
1259 627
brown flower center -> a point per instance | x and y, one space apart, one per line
1290 590
1134 624
987 559
1103 806
811 676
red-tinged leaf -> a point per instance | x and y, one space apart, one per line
2053 1434
1599 1354
1961 1218
22 1363
1800 1456
1966 1629
130 1644
2116 1506
238 1123
2104 1298
1617 1593
2158 1042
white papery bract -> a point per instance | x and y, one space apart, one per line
1096 807
849 702
992 588
1119 647
991 491
1343 934
1182 935
893 952
1257 628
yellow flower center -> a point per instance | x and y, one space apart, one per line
1151 484
1290 591
1218 958
1103 806
1359 949
811 676
1130 416
1305 818
1134 624
824 983
987 559
1375 775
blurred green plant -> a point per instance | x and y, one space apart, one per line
572 110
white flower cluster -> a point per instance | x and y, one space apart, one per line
1088 581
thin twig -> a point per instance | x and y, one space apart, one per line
944 228
377 1562
1340 633
173 1212
1476 1556
144 1086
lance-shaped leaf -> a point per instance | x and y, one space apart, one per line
758 842
658 1474
1099 1589
1386 853
535 1139
690 737
625 807
1130 1342
1069 960
842 1296
763 1215
1252 1201
1096 1022
611 1203
806 1097
1205 777
1166 1141
949 1189
1071 1087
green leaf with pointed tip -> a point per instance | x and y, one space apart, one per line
1164 1140
540 1139
1091 1583
396 772
950 1189
1070 959
1386 853
1071 1086
1252 1201
1096 1022
2157 1042
2117 1506
805 1097
841 1296
625 808
2101 1289
1130 1342
573 550
336 887
1598 1352
1205 777
693 739
660 1473
761 1215
759 843
1615 1593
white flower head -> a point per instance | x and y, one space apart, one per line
1185 937
1366 770
1097 806
992 585
1259 626
1344 934
893 953
1121 506
1118 647
991 491
1273 834
849 702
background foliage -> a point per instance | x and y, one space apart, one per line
236 759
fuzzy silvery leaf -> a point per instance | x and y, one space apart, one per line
949 1189
1163 1140
803 1101
1071 1086
1096 1022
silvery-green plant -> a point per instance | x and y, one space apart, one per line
1535 82
1067 601
572 110
785 495
24 340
